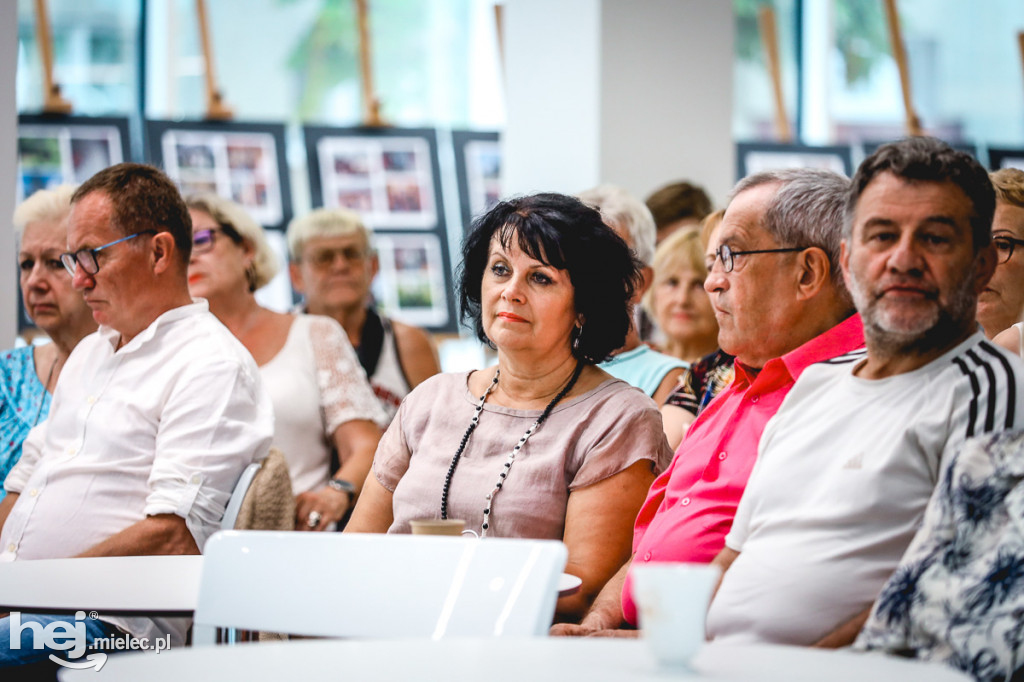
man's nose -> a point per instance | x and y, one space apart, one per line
905 255
81 279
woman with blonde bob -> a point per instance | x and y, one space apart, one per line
677 300
28 375
322 401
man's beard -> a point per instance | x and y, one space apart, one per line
939 330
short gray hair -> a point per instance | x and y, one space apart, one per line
325 222
807 210
619 208
43 204
227 213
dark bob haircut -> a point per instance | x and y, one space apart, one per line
563 232
927 159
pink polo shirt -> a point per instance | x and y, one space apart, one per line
691 505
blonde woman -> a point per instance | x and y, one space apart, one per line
322 401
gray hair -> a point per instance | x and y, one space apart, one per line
620 209
43 204
807 210
325 222
229 214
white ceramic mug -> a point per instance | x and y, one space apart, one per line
672 599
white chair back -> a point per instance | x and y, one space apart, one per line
238 495
367 585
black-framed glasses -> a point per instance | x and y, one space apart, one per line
86 258
727 255
1004 247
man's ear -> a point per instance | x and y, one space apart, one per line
164 252
374 265
295 273
844 262
985 266
814 273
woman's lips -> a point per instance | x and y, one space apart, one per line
511 317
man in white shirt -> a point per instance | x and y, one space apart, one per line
846 467
153 420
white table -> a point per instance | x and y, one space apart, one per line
502 660
151 585
136 585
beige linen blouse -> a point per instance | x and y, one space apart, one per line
583 441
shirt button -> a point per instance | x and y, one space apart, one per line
11 547
91 400
647 556
33 492
755 398
685 501
721 456
71 450
196 479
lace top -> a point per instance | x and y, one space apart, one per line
316 384
23 402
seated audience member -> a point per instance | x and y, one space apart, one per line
781 305
956 595
686 318
155 415
28 375
676 298
676 205
546 444
332 265
636 363
1001 305
322 401
845 469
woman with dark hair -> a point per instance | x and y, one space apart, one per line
546 444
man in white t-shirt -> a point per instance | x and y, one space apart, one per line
153 420
846 467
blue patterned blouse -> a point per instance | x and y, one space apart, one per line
958 594
24 401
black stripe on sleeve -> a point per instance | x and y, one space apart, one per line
1011 383
975 392
990 411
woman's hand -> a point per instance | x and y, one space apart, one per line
323 506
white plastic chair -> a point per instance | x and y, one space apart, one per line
367 585
237 495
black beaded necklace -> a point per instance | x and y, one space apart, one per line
512 455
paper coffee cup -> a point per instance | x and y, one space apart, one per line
673 602
437 526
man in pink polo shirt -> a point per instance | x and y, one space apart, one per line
781 304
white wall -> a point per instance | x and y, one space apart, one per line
8 169
635 93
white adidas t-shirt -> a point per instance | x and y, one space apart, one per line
843 475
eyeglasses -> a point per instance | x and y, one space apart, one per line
86 258
324 258
727 255
1004 247
203 240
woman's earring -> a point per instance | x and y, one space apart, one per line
250 275
576 340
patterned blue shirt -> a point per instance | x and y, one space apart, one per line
958 594
24 402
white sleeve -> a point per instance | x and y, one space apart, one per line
345 393
31 450
217 420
